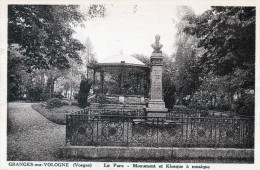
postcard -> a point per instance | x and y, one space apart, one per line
129 84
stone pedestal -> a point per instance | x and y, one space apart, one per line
156 105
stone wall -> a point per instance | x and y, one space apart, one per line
158 153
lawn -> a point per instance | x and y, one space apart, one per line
56 115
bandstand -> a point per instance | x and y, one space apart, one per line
122 79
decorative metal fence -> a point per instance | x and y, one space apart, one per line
118 130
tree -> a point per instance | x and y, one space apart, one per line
228 35
85 86
143 58
43 35
89 56
44 32
70 79
186 71
168 83
17 76
97 10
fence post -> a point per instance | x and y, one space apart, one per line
127 132
243 133
216 132
157 127
97 134
187 126
66 131
182 132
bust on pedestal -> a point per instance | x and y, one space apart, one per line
156 105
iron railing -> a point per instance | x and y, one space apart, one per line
119 130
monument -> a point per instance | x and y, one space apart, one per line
156 105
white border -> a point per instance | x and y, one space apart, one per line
96 165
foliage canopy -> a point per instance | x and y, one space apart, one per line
44 33
228 36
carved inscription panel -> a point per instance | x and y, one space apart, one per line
156 83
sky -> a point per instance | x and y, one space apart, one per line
132 29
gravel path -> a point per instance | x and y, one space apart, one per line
31 137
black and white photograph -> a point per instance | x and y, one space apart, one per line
129 85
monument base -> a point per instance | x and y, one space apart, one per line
156 104
156 109
152 112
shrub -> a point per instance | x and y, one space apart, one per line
195 106
102 99
43 104
53 102
224 107
13 93
83 93
169 93
74 103
34 94
65 102
76 96
44 96
58 95
245 105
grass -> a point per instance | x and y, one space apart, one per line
56 115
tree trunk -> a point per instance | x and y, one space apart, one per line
70 90
52 87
